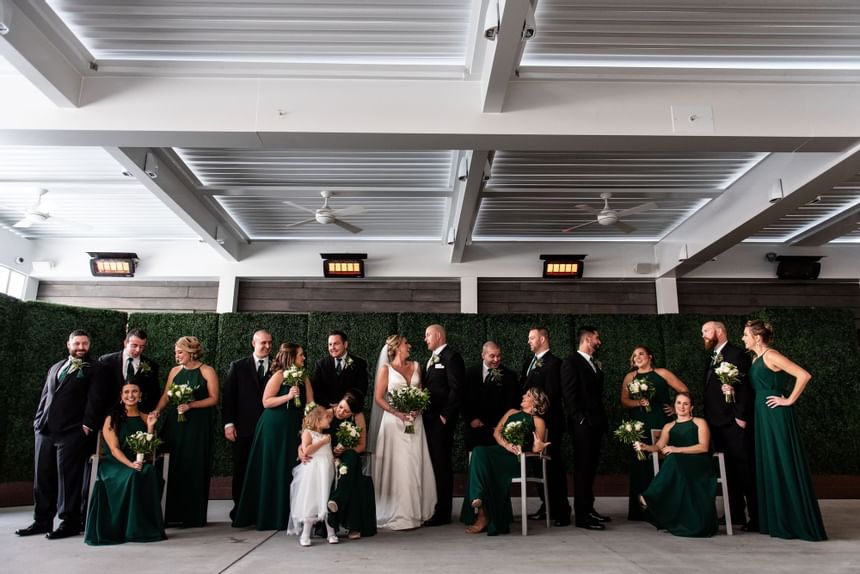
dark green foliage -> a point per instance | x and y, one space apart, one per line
10 319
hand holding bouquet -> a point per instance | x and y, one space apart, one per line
348 435
631 432
729 375
409 400
641 389
142 443
180 395
515 432
294 376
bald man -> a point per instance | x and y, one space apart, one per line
490 389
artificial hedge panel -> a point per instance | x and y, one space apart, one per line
10 320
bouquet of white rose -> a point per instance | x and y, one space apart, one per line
641 389
629 432
729 375
294 376
348 434
142 443
180 395
408 400
515 432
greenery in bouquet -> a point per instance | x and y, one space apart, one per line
630 432
348 434
409 400
180 395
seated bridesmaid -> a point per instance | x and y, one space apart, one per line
352 504
126 498
487 504
681 497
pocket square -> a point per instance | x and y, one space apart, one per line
439 366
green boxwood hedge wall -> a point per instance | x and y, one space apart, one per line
824 341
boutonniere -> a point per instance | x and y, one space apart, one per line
78 365
538 363
717 359
496 375
598 364
347 362
144 368
434 359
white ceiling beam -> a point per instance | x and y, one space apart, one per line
172 190
505 19
828 230
28 50
747 206
466 203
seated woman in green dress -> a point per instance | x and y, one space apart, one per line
126 498
352 504
487 504
654 412
681 498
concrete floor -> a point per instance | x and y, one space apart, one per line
625 547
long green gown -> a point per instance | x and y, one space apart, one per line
353 491
642 472
787 507
190 446
126 504
682 496
265 499
491 469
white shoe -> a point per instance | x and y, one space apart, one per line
304 542
333 539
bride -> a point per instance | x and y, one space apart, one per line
403 480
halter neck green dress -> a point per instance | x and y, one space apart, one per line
353 491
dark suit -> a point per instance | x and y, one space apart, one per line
329 387
586 418
487 400
547 377
61 445
113 377
241 406
736 443
444 381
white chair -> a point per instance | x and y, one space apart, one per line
721 478
523 479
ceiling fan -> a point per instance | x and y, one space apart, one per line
36 214
607 216
325 214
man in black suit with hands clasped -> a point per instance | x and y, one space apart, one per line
338 373
491 389
543 371
64 419
242 404
582 382
123 365
443 378
731 423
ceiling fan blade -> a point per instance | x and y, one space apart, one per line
625 227
347 226
587 209
23 224
569 229
351 210
311 220
300 207
638 209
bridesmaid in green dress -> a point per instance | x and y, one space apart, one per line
352 504
126 498
189 441
786 500
487 504
642 363
681 497
265 499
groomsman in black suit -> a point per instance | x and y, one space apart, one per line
490 390
64 419
339 372
582 382
543 371
443 378
242 404
732 423
121 366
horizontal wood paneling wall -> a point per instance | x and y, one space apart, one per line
173 296
570 297
741 297
349 296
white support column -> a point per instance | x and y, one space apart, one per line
31 289
468 294
228 289
667 295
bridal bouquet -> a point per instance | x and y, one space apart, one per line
409 400
629 432
729 375
180 395
348 434
641 389
515 432
294 376
142 443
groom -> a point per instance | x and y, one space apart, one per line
443 378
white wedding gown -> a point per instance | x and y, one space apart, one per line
402 473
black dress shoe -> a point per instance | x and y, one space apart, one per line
35 528
539 515
436 522
562 522
64 530
590 525
750 527
595 516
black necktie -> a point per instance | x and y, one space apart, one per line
488 377
129 369
261 370
532 365
339 366
593 364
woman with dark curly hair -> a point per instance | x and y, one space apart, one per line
487 504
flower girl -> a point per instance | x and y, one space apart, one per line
309 491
